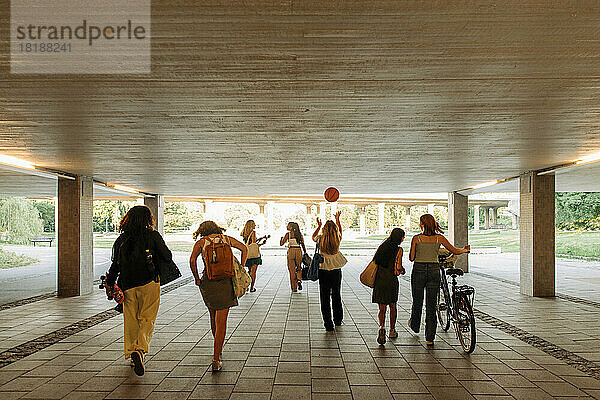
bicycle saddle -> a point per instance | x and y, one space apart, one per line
455 272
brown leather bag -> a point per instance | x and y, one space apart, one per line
218 258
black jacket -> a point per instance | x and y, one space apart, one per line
130 265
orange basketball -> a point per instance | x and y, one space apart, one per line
331 194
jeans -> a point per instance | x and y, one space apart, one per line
330 283
425 278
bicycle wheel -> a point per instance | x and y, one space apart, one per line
443 307
465 323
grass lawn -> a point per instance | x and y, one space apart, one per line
8 259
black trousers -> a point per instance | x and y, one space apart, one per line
330 283
425 280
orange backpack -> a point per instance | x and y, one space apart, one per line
218 258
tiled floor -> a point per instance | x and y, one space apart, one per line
277 348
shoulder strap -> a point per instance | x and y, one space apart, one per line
419 238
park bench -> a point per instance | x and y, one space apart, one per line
42 239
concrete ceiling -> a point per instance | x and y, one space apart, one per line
294 96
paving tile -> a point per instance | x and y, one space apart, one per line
450 393
528 394
178 395
51 391
365 379
413 386
483 387
212 392
291 393
293 378
177 385
330 385
370 393
254 385
131 392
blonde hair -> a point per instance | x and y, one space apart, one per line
248 228
207 228
330 238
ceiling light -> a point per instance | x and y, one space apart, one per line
485 184
125 189
15 162
588 159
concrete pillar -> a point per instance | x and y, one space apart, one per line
514 221
381 219
407 218
537 235
208 210
261 221
308 220
430 208
156 205
362 222
494 215
486 218
476 216
458 225
270 211
75 239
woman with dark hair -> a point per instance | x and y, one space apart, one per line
385 290
296 248
135 273
218 294
425 276
330 270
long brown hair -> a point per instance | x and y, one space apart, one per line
430 225
207 228
248 228
295 229
330 238
138 220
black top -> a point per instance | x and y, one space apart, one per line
385 257
130 265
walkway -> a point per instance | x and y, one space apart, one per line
276 348
40 278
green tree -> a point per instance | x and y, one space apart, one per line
576 206
46 211
177 216
19 219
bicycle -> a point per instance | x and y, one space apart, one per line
458 307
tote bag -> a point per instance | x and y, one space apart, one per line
253 250
367 277
241 280
312 271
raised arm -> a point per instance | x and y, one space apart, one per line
338 223
284 239
316 232
241 247
196 251
452 249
